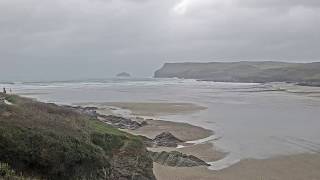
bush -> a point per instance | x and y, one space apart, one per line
53 142
6 171
50 155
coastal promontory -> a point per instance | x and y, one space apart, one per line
244 71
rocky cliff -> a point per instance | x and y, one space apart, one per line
261 72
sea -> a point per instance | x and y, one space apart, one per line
250 120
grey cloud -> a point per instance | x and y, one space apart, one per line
98 38
280 3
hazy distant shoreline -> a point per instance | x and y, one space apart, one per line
245 71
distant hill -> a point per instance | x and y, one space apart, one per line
123 74
260 72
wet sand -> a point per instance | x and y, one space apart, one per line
183 131
154 108
186 132
154 127
293 167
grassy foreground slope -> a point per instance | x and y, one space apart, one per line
53 142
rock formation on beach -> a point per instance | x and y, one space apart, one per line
176 159
115 121
89 111
123 74
244 71
166 139
120 122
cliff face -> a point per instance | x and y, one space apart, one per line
243 71
53 142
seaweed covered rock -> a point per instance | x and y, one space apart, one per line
176 159
120 122
166 139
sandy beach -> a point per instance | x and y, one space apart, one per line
139 111
153 108
293 167
183 131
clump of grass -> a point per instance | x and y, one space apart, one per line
101 127
49 155
12 98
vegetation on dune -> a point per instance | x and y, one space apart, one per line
6 172
53 142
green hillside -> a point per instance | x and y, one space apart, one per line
52 142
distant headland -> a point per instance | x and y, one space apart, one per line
245 71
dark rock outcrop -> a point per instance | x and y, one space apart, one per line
176 159
115 121
166 139
313 84
120 122
89 111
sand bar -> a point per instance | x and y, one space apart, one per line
293 167
152 108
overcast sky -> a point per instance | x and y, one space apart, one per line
74 39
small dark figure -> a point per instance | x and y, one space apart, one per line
4 91
10 91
